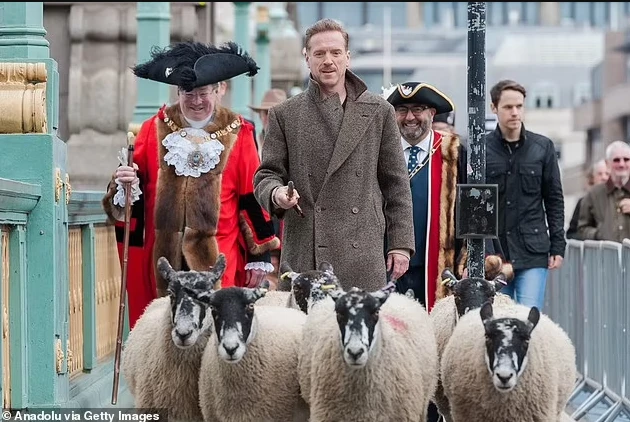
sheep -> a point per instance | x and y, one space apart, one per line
506 363
161 357
249 372
467 294
299 285
367 356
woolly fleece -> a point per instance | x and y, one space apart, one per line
543 389
444 318
396 383
263 386
158 373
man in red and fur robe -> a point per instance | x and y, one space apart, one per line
437 162
193 182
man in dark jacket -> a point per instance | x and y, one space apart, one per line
531 204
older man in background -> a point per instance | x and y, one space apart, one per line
605 210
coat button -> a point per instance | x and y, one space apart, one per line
355 245
535 230
355 210
318 209
359 173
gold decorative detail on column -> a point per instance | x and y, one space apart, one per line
59 355
68 189
58 185
23 98
21 73
69 351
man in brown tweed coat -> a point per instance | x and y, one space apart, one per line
340 145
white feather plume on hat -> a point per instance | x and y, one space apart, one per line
386 92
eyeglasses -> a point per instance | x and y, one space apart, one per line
618 159
416 110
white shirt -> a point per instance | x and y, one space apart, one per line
423 145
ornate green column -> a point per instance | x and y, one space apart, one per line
154 29
262 81
33 154
241 85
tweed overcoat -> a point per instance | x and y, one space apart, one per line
350 172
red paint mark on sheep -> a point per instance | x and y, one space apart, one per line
396 323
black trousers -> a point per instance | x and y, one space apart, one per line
413 279
432 414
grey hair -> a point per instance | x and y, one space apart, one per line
613 146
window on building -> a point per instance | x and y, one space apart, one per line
349 13
376 13
531 13
544 95
581 93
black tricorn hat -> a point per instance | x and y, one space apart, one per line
193 64
421 93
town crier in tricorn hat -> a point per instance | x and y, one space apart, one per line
436 163
194 187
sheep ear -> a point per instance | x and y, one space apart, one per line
285 268
204 296
533 318
486 312
448 279
164 267
254 294
381 295
219 266
410 294
336 294
326 267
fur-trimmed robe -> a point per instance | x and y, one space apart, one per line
445 172
189 220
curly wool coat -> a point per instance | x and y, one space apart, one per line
398 380
543 389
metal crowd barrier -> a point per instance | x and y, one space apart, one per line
589 297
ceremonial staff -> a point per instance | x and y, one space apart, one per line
123 284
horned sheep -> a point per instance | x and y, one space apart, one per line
367 356
249 371
506 363
162 355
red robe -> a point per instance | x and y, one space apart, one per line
441 244
244 229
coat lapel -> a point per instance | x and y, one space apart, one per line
356 120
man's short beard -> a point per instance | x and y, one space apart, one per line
416 135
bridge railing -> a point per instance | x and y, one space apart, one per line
94 284
589 296
84 358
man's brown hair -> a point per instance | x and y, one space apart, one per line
325 25
504 85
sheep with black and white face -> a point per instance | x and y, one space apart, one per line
466 294
162 355
367 356
249 371
508 363
298 286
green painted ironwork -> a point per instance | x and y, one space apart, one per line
241 92
154 30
